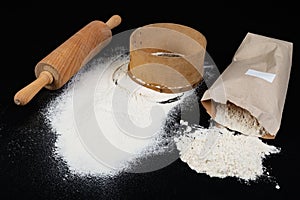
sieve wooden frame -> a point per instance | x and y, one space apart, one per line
164 73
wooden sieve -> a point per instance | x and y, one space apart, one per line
167 57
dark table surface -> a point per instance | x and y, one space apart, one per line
27 167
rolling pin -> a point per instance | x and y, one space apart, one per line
53 71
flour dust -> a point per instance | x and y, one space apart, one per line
219 152
106 124
104 121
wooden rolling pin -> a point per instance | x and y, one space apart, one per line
60 65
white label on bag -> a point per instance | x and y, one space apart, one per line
264 75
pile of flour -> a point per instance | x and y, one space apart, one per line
103 98
219 152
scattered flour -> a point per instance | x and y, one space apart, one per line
103 97
221 153
118 104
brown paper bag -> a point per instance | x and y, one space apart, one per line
250 94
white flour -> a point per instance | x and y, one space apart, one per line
219 152
117 100
130 119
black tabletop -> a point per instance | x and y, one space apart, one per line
28 169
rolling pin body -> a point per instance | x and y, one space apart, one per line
60 65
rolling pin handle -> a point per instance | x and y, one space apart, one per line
114 21
27 93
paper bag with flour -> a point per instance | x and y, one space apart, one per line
249 95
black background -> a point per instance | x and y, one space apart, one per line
29 31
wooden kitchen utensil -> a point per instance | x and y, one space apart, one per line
167 57
60 65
